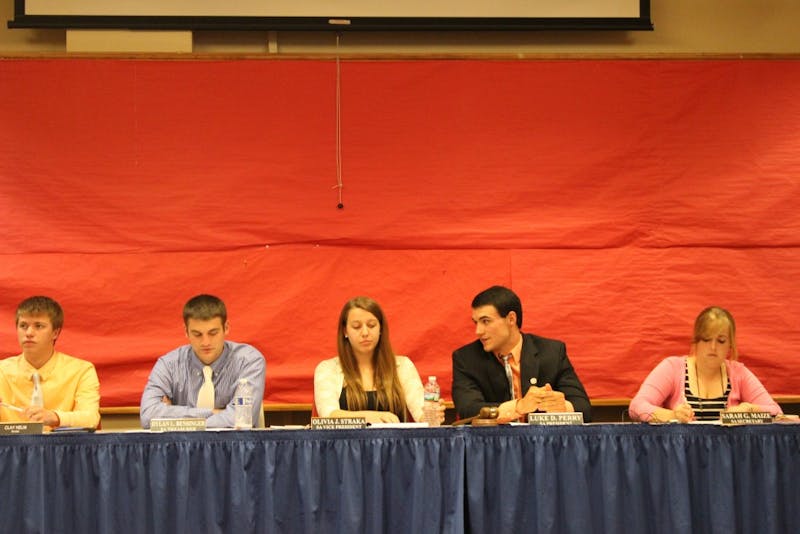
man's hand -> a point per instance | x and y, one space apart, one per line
551 400
544 398
40 415
530 402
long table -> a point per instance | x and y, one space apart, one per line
592 478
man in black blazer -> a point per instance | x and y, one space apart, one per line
542 375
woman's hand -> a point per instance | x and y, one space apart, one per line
744 407
380 417
684 413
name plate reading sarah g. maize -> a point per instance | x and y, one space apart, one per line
553 418
9 429
338 423
745 418
188 424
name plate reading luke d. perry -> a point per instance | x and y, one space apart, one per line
188 424
559 418
338 423
745 418
7 429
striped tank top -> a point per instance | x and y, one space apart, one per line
705 409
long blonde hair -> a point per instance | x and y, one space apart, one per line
389 392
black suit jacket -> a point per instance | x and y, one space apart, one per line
479 379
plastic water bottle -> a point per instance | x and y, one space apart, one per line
431 406
243 406
37 399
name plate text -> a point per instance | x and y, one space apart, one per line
745 418
556 418
338 423
7 429
188 424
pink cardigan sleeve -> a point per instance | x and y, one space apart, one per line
663 388
745 387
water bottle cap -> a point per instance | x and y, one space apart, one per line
432 378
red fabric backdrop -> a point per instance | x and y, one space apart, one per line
618 198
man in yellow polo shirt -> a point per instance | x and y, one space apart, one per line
42 384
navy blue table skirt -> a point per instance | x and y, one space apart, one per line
588 479
634 478
234 482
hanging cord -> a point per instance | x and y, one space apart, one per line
339 185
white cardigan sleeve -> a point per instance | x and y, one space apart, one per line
328 382
412 387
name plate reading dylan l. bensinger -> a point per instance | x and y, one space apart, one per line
745 418
338 423
187 424
556 418
9 429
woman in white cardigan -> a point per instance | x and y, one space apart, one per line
367 379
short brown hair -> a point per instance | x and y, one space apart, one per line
39 305
204 308
503 299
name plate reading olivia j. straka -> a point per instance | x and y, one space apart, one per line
187 424
556 418
8 429
745 418
338 423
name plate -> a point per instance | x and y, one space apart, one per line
338 423
745 418
188 424
556 418
8 429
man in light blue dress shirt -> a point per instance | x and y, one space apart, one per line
177 377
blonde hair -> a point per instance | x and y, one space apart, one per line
388 390
712 320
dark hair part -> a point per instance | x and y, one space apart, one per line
388 390
204 308
503 299
710 321
41 306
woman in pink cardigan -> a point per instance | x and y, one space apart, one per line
704 383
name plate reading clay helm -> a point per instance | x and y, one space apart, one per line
556 418
10 429
188 424
338 423
745 418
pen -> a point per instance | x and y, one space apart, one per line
11 407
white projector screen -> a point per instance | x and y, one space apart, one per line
336 15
